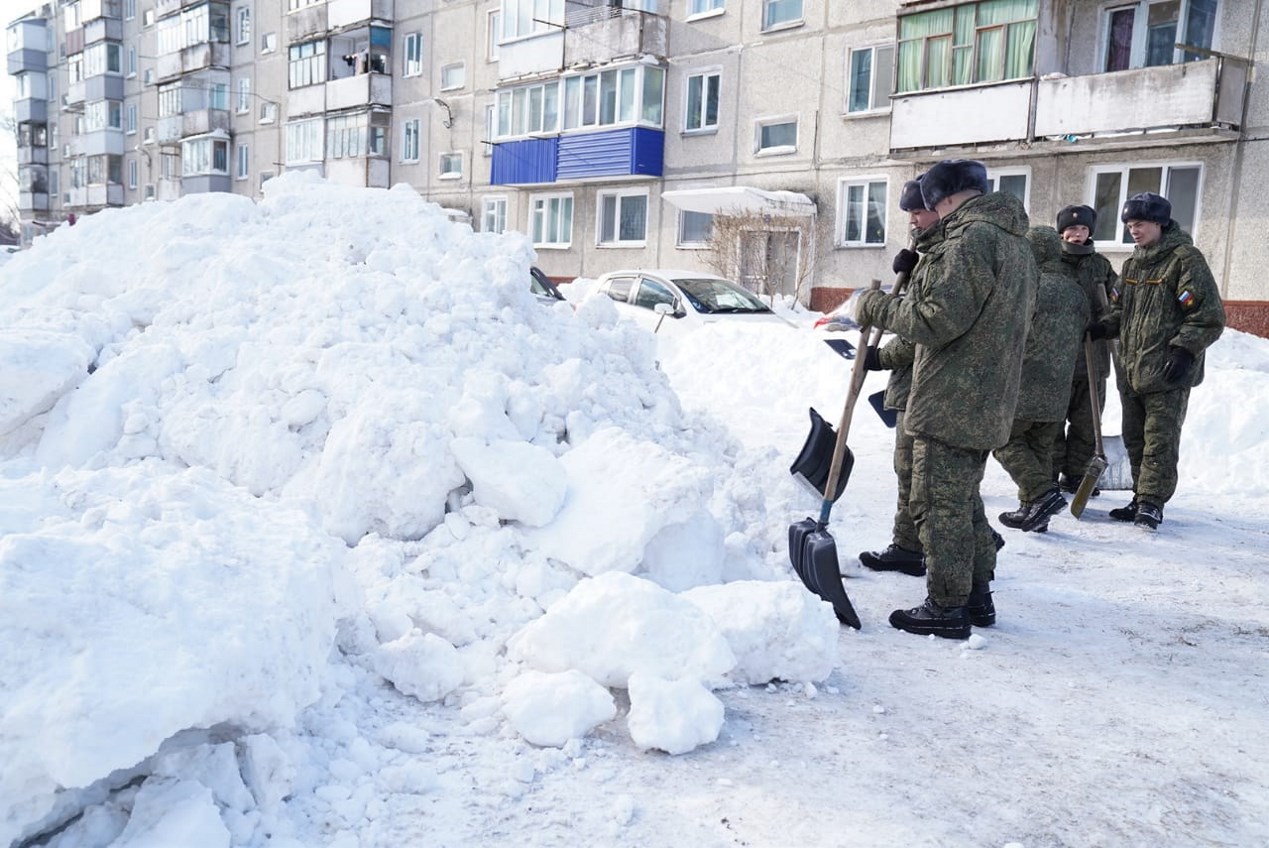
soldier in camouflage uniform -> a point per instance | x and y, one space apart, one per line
969 321
1167 311
905 553
1075 444
1057 333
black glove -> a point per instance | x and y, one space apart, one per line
1096 331
872 359
1178 366
904 261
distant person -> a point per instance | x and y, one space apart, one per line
969 321
1056 334
1167 313
904 553
1075 443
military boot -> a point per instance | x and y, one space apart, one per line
895 558
932 619
1149 515
980 608
1125 513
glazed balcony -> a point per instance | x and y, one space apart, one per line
346 13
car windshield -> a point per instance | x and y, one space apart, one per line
711 295
541 286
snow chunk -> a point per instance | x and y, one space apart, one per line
519 481
551 709
675 716
171 812
39 367
422 665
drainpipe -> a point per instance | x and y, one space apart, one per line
1236 174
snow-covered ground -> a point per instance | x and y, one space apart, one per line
317 529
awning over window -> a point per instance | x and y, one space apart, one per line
740 200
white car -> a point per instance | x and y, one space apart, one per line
668 301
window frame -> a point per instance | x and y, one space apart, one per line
1124 168
703 76
242 25
412 43
994 175
448 69
414 127
840 226
692 244
497 205
539 225
1138 49
242 161
450 156
973 50
493 34
872 108
760 124
708 9
769 25
619 196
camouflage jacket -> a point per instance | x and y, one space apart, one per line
899 353
969 321
1093 270
1167 297
1055 337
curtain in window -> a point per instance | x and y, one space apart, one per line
876 231
1017 19
860 81
634 219
1200 23
963 45
913 30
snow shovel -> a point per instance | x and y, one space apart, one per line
1118 473
812 548
1097 465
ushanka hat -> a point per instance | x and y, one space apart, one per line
910 199
1076 216
1147 206
950 177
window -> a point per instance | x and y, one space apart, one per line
102 58
493 215
1015 181
149 135
779 13
268 42
529 17
133 173
242 25
147 18
170 100
1113 185
961 45
650 293
351 136
493 33
486 143
629 95
869 79
1142 34
202 156
451 166
307 64
695 229
776 135
129 12
132 62
453 76
413 52
702 102
304 142
410 141
243 102
703 7
265 176
201 24
293 5
149 76
551 219
268 112
862 212
623 217
244 162
102 115
149 191
218 96
131 126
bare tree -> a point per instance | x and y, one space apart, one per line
10 216
769 254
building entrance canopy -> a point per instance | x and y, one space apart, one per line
740 200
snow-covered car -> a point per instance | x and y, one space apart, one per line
668 301
542 287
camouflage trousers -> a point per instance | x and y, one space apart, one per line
905 533
947 507
1074 444
1027 456
1152 435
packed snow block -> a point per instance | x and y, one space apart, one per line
689 553
39 367
170 811
551 709
421 665
519 481
622 492
614 625
776 629
148 601
672 715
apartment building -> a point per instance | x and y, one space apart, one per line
769 138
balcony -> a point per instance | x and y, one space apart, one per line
204 183
32 155
74 41
365 172
95 196
173 128
1195 94
33 201
102 29
27 60
196 57
960 116
97 143
534 56
28 46
343 13
359 91
626 152
30 109
307 24
601 34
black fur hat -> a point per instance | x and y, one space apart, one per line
951 176
910 199
1147 206
1074 216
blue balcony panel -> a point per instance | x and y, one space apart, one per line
633 151
524 162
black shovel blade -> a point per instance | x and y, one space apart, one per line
889 417
814 554
815 460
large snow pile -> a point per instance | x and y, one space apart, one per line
238 436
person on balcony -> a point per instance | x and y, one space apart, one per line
1165 312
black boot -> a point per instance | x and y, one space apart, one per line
932 619
1149 516
1125 513
980 608
1035 517
998 539
895 558
1013 520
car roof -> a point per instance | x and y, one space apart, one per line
666 273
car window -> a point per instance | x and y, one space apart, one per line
542 286
651 293
618 288
707 294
